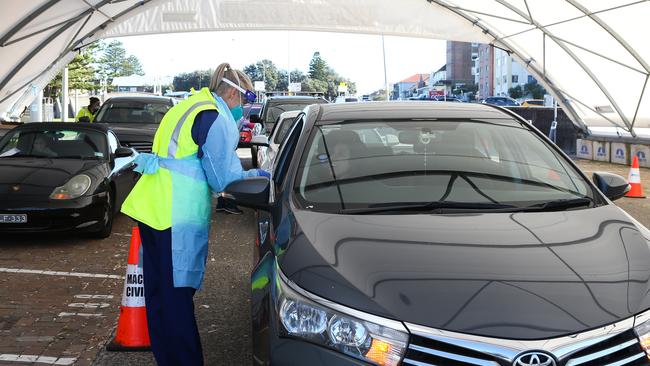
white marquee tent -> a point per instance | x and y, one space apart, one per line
593 56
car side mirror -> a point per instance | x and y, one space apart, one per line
251 192
613 186
254 118
123 152
260 140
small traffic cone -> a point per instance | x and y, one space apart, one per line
132 332
634 179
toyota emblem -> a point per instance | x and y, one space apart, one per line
534 359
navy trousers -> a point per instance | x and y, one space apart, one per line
172 326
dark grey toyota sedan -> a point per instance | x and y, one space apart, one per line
441 234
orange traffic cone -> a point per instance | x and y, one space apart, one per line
132 332
634 179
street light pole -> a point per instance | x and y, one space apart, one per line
383 50
288 63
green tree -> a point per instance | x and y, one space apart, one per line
535 90
114 62
516 92
318 68
283 81
196 79
266 71
132 66
315 86
81 73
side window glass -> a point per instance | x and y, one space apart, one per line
285 154
113 144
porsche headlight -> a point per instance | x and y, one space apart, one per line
77 186
366 337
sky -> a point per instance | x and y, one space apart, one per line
354 56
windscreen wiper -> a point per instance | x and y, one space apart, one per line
560 205
433 207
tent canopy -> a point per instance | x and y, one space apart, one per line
593 56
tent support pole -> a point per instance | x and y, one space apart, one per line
64 93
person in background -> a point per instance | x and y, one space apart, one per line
87 114
193 153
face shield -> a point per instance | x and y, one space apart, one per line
250 96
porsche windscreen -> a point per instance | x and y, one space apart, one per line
54 143
463 165
132 112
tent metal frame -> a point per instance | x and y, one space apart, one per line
562 43
72 45
518 15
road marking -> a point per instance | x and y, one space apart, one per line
89 305
105 297
59 273
85 315
37 359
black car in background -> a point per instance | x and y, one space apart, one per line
441 234
501 101
273 107
135 119
63 177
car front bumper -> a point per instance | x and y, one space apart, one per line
84 213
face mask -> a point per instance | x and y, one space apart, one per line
237 112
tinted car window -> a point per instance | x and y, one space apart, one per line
285 127
54 144
469 162
132 111
286 152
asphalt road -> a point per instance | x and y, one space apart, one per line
60 295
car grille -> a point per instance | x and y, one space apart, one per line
620 350
623 349
139 146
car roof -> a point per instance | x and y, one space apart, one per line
141 98
289 98
72 126
409 110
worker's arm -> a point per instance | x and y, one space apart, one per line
217 140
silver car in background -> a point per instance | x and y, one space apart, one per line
266 154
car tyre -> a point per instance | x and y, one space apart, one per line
107 224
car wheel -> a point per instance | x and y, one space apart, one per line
254 157
107 223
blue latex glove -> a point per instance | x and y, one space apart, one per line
263 173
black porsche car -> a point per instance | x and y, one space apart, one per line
63 177
441 234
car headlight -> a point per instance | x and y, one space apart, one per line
364 336
77 186
642 330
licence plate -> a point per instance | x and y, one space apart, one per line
13 219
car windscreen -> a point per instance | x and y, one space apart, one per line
132 111
54 143
371 164
275 110
252 110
